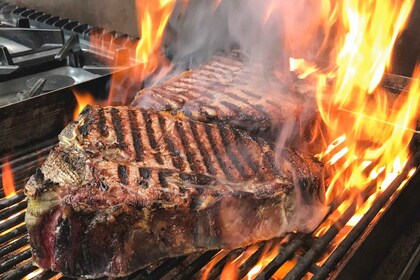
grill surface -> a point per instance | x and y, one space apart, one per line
15 255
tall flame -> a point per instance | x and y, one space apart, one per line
7 179
143 57
376 125
369 128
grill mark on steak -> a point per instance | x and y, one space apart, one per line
151 136
193 148
172 102
162 179
244 152
175 154
102 127
144 177
235 110
123 174
132 117
217 152
204 154
185 145
116 121
233 157
269 160
248 155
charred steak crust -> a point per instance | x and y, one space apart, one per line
127 187
228 90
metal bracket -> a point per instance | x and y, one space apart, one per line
6 62
70 49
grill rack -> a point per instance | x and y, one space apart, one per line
15 255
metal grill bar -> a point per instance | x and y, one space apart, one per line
4 203
196 265
11 222
218 267
319 247
250 262
285 254
21 272
13 234
164 268
358 229
12 261
13 209
13 246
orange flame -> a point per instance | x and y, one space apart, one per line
83 99
140 59
7 180
369 129
376 129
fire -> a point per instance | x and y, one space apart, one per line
369 129
7 179
83 99
136 62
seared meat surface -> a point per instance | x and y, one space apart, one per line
228 90
127 187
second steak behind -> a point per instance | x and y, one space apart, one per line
229 90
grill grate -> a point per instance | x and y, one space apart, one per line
15 262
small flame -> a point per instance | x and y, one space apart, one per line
83 99
7 179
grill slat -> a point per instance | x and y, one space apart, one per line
14 260
7 202
250 262
14 246
20 272
12 222
13 209
361 226
44 275
164 268
196 265
13 234
218 267
285 254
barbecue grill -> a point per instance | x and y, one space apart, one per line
28 135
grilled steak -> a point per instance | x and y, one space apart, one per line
226 90
126 187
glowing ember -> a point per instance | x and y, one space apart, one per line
7 180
